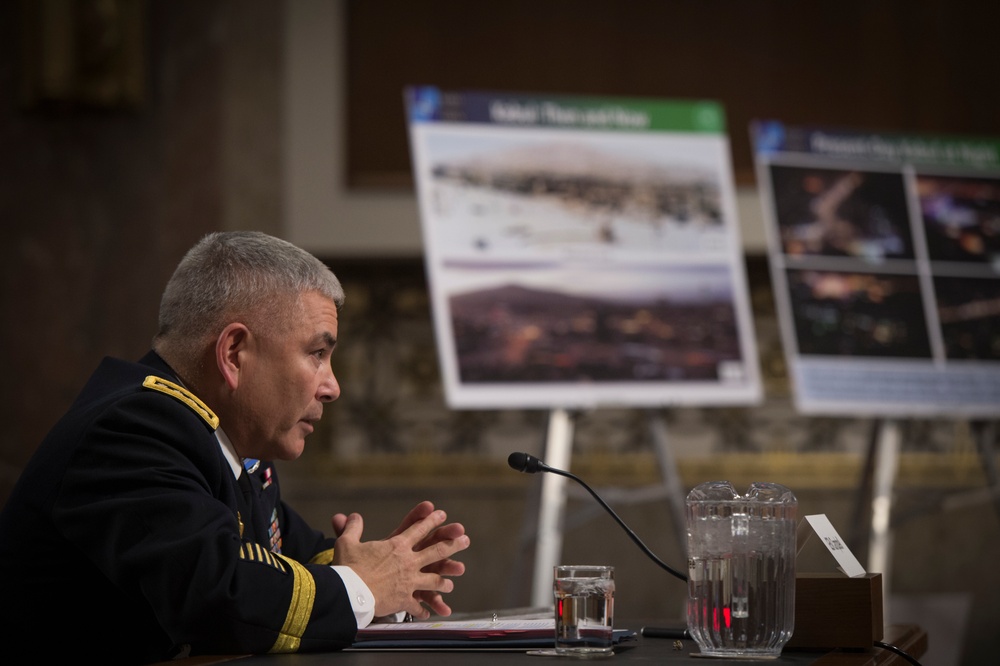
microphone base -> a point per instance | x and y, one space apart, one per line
834 611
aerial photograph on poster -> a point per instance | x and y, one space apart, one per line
491 194
969 312
961 217
858 314
884 251
580 324
582 252
836 212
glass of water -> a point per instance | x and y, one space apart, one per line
584 605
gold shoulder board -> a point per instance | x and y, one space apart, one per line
185 396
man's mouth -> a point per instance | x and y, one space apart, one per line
310 421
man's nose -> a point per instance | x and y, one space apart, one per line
329 388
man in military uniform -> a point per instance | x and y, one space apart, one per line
149 523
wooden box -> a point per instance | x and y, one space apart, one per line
835 611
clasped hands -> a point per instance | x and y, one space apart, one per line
411 567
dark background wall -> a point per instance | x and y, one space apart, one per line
100 196
891 65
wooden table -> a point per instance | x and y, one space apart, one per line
909 638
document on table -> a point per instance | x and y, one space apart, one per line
489 634
468 629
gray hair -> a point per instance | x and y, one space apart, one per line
238 275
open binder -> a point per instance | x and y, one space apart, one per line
516 633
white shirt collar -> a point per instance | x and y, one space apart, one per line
229 452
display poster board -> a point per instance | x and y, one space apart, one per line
581 252
885 259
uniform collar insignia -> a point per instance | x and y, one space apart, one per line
190 399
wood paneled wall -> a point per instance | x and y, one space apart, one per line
926 66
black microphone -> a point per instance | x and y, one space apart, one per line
522 462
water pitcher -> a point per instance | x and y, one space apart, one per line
741 569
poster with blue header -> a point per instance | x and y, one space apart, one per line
581 252
884 252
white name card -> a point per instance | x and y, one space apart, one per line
838 548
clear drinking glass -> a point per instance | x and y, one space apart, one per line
584 604
741 569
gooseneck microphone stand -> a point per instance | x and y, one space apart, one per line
522 462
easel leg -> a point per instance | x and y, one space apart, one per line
986 436
887 464
548 545
861 519
671 477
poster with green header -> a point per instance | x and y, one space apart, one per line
885 258
581 252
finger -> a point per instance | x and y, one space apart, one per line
434 584
354 525
422 599
417 532
417 513
430 589
447 567
448 532
435 601
417 610
442 550
338 522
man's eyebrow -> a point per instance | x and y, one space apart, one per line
326 339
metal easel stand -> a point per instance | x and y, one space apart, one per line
886 459
881 469
552 507
548 543
986 437
984 434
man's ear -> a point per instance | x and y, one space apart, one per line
231 344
